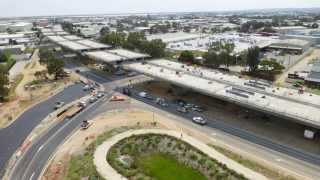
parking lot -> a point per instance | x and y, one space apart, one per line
278 130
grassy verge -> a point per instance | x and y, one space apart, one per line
272 174
314 91
82 165
14 85
165 167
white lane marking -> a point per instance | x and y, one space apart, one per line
40 148
213 134
31 177
278 159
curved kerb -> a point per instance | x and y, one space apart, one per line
107 172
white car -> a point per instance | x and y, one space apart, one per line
100 95
199 120
82 104
143 94
92 99
86 87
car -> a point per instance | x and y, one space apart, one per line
189 105
180 102
86 87
92 87
126 91
199 120
182 109
85 124
197 109
149 97
100 95
162 102
82 104
67 72
145 95
58 105
92 99
120 73
131 74
142 94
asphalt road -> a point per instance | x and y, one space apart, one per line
13 136
31 164
235 131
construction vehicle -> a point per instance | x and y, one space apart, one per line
117 98
70 112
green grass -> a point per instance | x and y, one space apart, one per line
82 165
165 167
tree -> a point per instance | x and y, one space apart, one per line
221 51
212 59
55 67
186 56
269 30
115 39
273 66
104 30
253 58
41 74
135 40
45 54
67 26
155 48
315 26
5 56
187 29
4 82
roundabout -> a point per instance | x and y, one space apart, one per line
159 153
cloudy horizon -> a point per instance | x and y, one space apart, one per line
14 8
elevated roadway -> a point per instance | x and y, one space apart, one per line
300 111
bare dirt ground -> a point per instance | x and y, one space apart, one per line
107 121
279 130
300 66
26 98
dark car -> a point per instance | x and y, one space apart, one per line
180 102
196 109
126 91
162 102
120 73
182 109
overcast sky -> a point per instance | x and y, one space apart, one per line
61 7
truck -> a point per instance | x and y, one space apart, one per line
69 112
